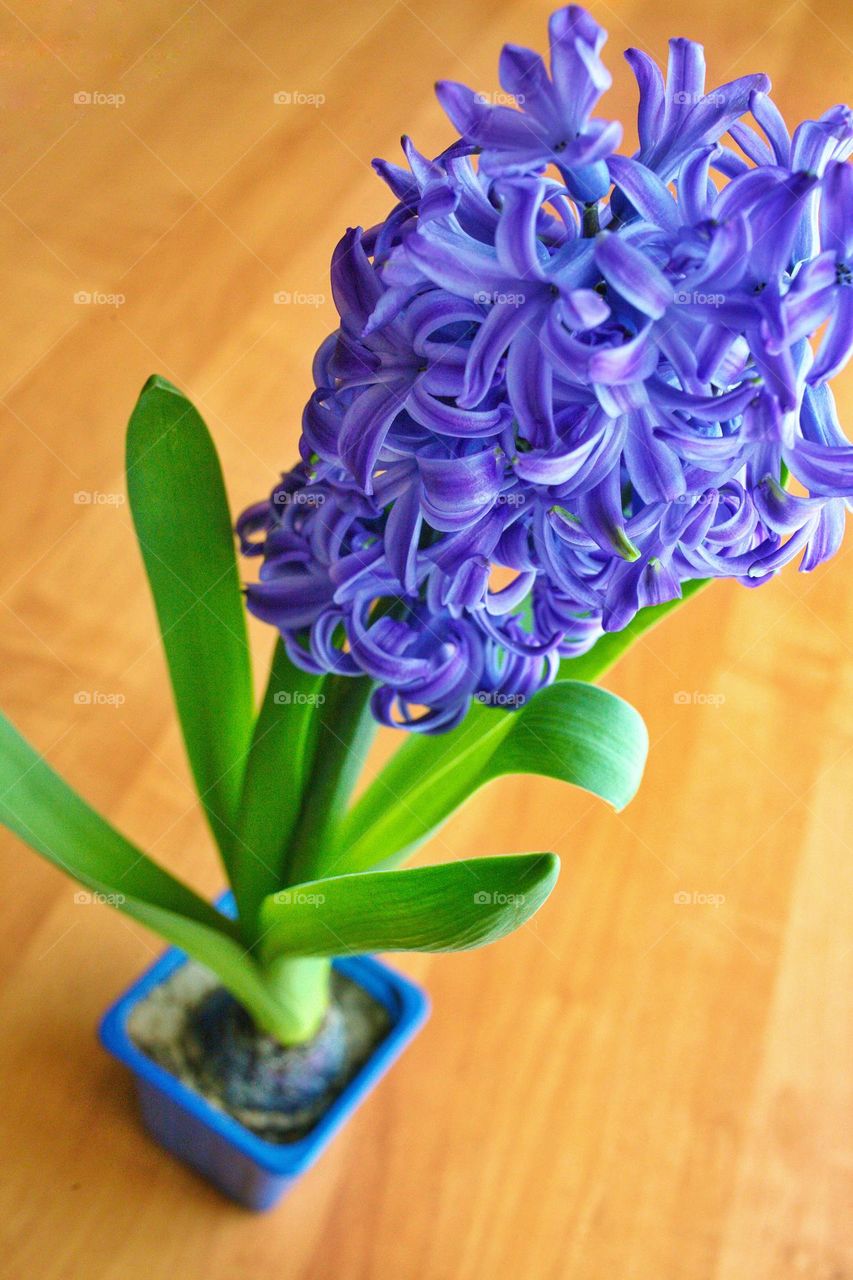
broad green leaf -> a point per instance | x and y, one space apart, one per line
47 814
572 731
445 908
278 764
54 820
180 511
364 835
609 648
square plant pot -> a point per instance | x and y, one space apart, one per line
246 1167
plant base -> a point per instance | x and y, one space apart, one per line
199 1033
246 1166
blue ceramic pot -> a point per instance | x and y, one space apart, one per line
243 1165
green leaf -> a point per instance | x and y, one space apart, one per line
445 908
180 511
466 752
47 814
234 967
54 820
346 730
610 647
582 735
572 731
278 765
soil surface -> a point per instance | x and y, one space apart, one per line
159 1026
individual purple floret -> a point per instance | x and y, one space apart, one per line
566 382
552 125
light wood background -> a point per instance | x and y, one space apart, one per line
631 1087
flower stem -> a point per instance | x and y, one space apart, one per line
301 987
346 731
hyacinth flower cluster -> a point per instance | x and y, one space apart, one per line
566 381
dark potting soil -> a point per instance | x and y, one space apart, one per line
161 1026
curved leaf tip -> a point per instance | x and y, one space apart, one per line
450 907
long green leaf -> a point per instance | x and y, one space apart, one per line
180 511
54 820
47 814
229 960
279 762
572 731
445 908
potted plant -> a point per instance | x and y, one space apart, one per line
568 387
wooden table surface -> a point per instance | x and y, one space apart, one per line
631 1088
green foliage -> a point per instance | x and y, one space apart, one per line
278 766
180 511
446 908
43 810
275 786
575 732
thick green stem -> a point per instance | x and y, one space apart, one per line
345 733
299 986
301 989
279 762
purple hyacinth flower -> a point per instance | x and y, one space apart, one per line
521 287
535 417
836 238
679 117
552 124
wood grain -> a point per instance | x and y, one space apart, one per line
630 1087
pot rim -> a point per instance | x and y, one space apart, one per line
406 1002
